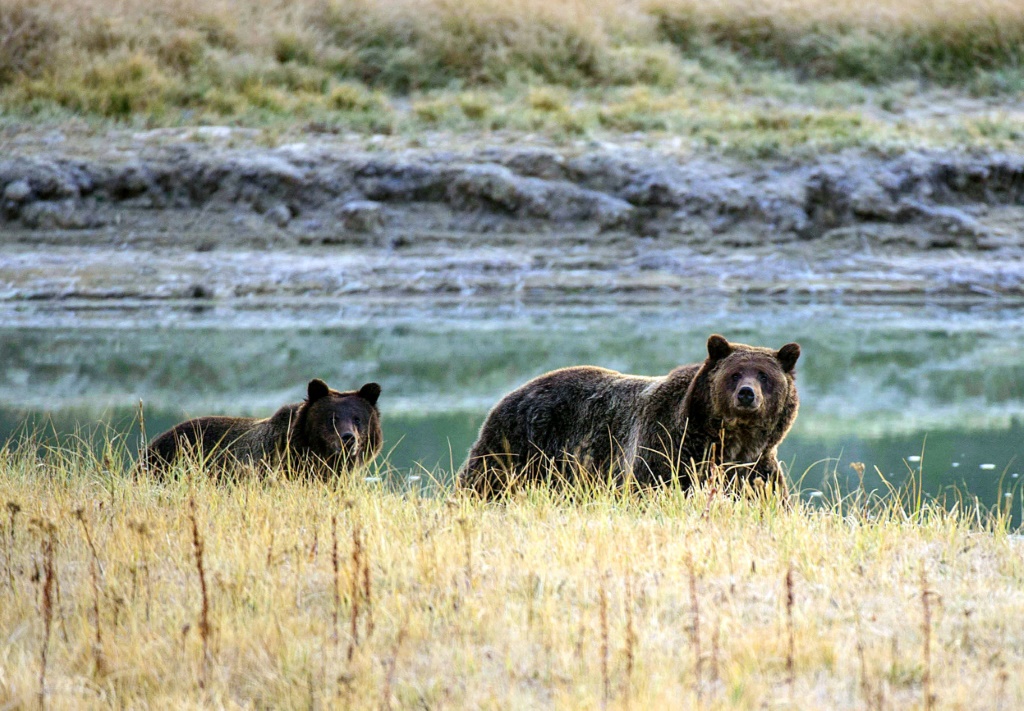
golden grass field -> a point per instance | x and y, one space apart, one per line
351 595
787 72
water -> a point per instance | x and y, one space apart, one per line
930 388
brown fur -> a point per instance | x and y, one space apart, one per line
656 429
334 431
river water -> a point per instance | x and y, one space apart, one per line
931 388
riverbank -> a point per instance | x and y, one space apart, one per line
208 213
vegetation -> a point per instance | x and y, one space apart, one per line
939 40
280 593
714 71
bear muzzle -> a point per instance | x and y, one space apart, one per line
747 399
346 445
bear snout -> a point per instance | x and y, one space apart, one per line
746 396
348 441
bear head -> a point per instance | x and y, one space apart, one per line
340 428
748 383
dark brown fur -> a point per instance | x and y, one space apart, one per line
333 431
659 429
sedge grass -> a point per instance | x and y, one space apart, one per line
353 64
945 40
219 595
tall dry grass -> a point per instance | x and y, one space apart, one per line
944 40
126 58
571 600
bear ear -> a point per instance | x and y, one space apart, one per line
787 356
718 348
370 392
316 390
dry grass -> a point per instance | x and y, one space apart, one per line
182 61
946 40
544 600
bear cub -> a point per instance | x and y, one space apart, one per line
731 411
332 431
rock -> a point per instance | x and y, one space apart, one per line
609 212
267 167
496 187
362 216
871 201
535 163
130 181
18 191
492 186
400 181
655 188
279 215
64 215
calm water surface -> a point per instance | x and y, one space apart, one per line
926 387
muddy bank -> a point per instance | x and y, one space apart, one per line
188 215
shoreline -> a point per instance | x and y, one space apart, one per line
170 218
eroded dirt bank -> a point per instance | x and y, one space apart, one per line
202 214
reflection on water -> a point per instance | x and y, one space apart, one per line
879 384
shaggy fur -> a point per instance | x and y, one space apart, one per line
732 409
334 431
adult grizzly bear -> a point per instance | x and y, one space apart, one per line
334 431
732 409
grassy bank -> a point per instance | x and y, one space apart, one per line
289 594
716 72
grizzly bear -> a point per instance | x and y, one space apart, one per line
333 432
727 414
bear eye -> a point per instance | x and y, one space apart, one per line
763 377
355 421
735 377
